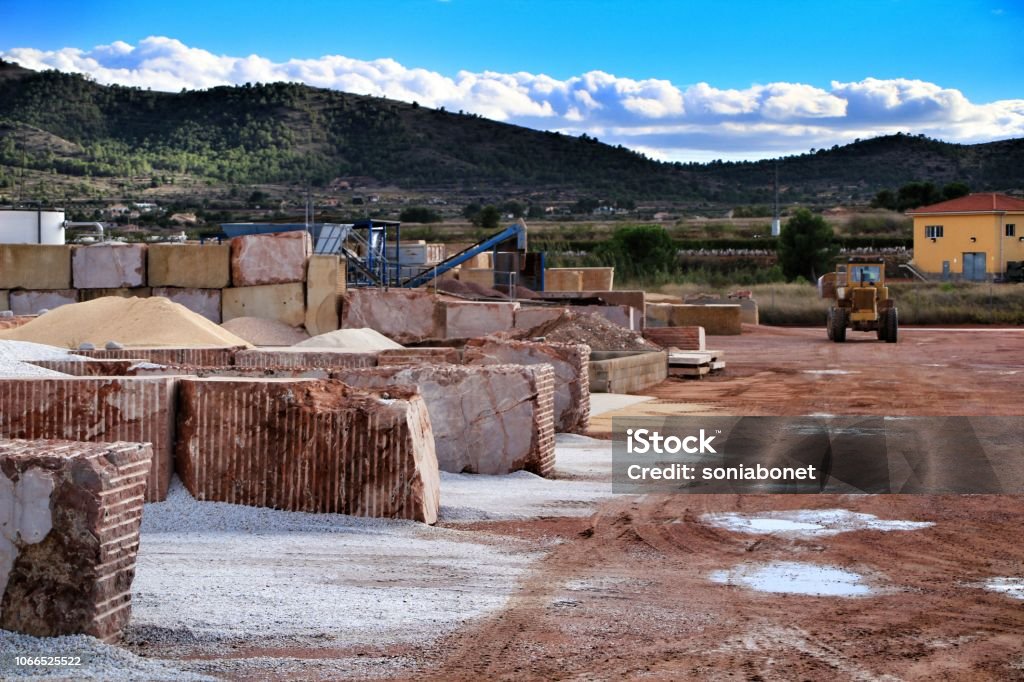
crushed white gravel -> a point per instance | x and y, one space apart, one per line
15 357
211 577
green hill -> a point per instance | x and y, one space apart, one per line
284 133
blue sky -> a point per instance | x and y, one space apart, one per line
679 80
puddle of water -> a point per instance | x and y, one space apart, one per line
794 577
829 371
817 522
1011 587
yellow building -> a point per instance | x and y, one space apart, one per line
970 238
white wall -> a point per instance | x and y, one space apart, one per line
23 227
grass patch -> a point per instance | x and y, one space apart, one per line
918 302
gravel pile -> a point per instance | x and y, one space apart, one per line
591 329
364 339
15 357
261 332
99 661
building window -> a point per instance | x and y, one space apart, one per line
932 231
1011 230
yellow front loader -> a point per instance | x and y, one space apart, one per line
860 301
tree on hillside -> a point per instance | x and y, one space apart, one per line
489 217
806 246
955 190
419 214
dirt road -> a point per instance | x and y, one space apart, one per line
629 592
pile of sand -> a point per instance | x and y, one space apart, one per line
364 339
262 332
132 322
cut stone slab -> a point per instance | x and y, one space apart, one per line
31 302
35 266
683 338
486 420
153 370
717 319
470 319
571 363
205 302
109 266
96 410
69 534
528 318
279 258
190 266
79 367
283 302
403 315
419 356
323 286
302 357
196 356
307 445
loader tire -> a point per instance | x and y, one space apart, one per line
838 326
892 325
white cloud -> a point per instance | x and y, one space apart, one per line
652 115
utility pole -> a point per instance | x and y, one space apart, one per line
776 221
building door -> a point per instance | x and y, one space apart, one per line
974 267
945 271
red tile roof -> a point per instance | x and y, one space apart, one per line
973 203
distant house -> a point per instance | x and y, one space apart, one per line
970 238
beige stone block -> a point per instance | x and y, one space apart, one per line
109 266
190 266
322 284
403 315
31 302
35 266
206 302
597 279
284 302
485 420
717 319
482 276
562 279
279 258
93 294
469 319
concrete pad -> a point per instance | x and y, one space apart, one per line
109 266
283 302
31 302
35 266
70 535
205 302
602 403
190 266
470 319
96 410
323 286
279 258
307 445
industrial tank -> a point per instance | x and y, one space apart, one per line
19 226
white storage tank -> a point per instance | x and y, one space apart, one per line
20 226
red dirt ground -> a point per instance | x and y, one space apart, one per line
627 595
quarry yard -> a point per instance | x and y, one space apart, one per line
526 577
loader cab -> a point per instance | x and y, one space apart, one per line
866 274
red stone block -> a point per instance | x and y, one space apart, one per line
69 533
308 445
96 410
